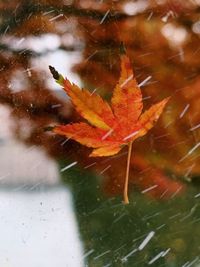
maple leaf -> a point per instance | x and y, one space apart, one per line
111 126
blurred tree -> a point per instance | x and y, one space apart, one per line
162 39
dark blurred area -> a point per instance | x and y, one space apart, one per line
162 39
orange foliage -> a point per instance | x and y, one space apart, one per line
116 125
162 40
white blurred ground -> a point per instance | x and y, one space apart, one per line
38 227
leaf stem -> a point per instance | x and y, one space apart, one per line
126 200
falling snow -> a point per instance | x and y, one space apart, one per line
58 206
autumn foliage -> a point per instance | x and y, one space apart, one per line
116 125
162 40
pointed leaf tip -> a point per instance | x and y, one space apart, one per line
150 116
126 101
56 75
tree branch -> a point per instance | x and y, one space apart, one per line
29 8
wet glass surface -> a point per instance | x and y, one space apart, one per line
60 207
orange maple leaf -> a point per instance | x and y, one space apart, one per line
111 126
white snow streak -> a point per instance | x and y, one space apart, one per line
130 135
88 253
56 17
161 254
190 151
68 166
146 240
195 127
105 169
145 81
127 80
129 254
184 111
107 134
149 188
104 17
